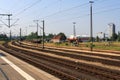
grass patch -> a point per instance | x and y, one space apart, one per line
107 48
96 45
1 42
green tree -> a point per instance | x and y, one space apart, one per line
114 37
3 37
50 36
118 36
62 35
32 36
97 39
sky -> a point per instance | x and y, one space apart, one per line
59 16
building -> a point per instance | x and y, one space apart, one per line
72 39
58 38
111 29
82 38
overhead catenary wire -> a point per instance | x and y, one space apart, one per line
15 22
56 13
62 11
68 10
3 10
103 11
25 9
85 15
108 10
33 4
3 22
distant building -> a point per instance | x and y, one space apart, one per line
82 38
57 39
111 29
72 38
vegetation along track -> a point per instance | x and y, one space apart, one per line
69 69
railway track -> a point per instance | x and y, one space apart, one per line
110 71
106 59
106 55
40 63
70 70
77 56
105 51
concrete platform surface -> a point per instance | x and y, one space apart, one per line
12 68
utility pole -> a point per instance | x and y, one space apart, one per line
91 27
8 18
10 35
43 34
20 35
37 26
8 21
26 31
36 21
9 25
74 30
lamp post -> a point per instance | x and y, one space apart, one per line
91 26
43 35
20 35
36 21
74 31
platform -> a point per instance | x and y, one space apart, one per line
12 68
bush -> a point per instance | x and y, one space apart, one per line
66 44
89 45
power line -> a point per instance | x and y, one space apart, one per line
53 13
94 13
75 12
36 21
50 4
108 10
9 15
108 6
99 0
15 22
67 9
64 10
3 22
25 9
3 10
